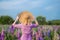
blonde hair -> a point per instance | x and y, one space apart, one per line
25 17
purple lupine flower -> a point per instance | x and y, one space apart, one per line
2 34
41 38
39 34
48 33
38 29
18 34
12 29
44 33
55 28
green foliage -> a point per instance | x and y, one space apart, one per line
35 29
51 34
0 29
49 22
41 20
54 22
9 36
6 20
58 31
47 38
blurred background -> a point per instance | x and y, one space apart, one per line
46 12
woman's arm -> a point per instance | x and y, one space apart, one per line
16 25
34 25
15 20
36 22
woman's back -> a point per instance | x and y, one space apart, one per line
26 29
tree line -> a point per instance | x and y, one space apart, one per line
41 20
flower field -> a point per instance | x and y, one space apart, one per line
43 32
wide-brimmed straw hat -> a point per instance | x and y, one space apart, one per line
26 14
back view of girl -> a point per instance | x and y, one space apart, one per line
25 18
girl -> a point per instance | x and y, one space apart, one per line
25 18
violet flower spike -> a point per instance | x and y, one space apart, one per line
12 29
41 38
18 34
48 33
2 34
38 29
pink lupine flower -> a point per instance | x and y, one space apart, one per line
37 36
2 34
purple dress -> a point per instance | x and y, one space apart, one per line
26 31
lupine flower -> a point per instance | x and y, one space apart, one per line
48 33
41 38
2 34
37 35
18 34
12 29
55 36
55 28
38 29
44 33
33 33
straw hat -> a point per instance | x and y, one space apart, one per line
25 15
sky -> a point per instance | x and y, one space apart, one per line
47 8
